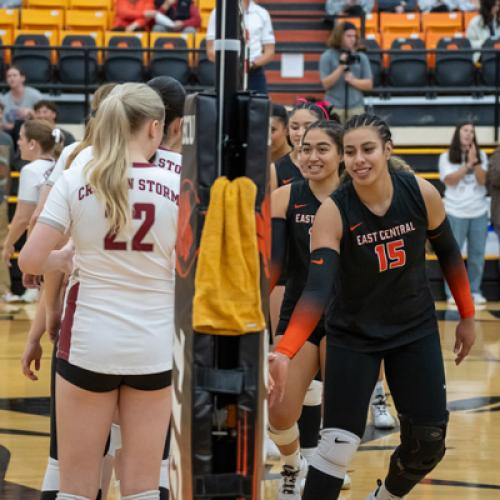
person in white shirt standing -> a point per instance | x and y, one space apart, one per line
463 169
260 38
115 344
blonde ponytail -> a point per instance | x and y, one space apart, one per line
118 118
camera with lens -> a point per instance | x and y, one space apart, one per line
348 58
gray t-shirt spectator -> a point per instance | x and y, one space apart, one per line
336 95
30 97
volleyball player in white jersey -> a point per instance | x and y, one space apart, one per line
116 335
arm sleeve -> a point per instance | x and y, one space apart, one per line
56 212
211 26
267 30
278 249
194 19
319 288
444 244
28 186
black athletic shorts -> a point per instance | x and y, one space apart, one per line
316 336
104 382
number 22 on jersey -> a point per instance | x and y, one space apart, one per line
138 209
390 255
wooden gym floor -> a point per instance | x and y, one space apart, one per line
470 469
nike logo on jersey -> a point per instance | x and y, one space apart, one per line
300 205
287 180
352 228
338 441
319 262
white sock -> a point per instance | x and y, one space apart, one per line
69 496
51 478
292 460
308 453
164 480
379 389
383 494
145 495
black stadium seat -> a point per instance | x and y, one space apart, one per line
488 61
124 65
34 62
72 62
375 58
205 71
454 68
408 69
168 61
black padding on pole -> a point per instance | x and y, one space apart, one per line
222 485
219 381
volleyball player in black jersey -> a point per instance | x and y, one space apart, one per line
293 211
287 169
368 249
279 132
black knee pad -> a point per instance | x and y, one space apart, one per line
422 448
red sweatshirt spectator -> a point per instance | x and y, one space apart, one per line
175 15
129 15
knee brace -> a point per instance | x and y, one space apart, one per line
145 495
69 496
422 448
314 394
115 440
335 451
284 437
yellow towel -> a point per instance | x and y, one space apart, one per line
227 284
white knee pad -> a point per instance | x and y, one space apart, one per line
164 481
145 495
335 451
284 437
69 496
51 478
115 440
314 394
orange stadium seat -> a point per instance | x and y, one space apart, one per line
468 16
408 68
431 42
86 20
388 38
9 18
72 62
442 22
47 4
36 63
402 24
205 17
206 5
168 61
91 4
454 67
42 19
126 64
371 22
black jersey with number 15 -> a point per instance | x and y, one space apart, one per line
383 298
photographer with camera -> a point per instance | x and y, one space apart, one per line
345 73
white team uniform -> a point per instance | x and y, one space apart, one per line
32 177
168 160
123 318
60 165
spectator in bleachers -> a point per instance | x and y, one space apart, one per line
463 169
484 25
47 110
493 183
345 73
446 5
129 15
175 15
349 7
398 6
260 39
18 102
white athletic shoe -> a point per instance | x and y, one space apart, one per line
272 452
381 417
380 493
11 298
30 295
291 481
346 485
479 300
